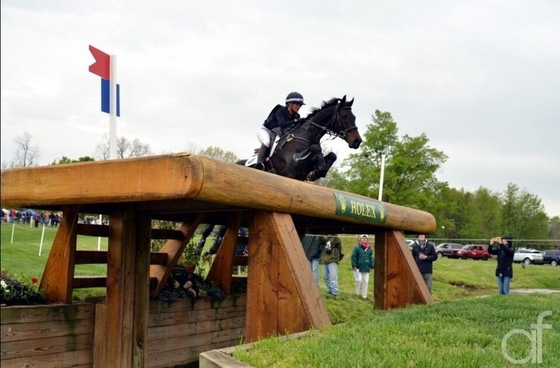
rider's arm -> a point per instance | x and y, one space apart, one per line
283 120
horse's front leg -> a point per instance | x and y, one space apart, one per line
323 166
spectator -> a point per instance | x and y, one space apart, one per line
424 253
37 219
504 269
362 263
313 247
332 254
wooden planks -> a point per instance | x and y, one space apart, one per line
282 295
398 281
47 335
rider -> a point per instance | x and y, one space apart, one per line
278 120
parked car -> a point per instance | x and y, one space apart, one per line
551 257
409 243
446 249
474 251
528 256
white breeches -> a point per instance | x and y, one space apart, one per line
264 136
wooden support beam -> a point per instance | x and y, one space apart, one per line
173 249
59 269
398 281
282 296
221 270
127 270
93 230
100 257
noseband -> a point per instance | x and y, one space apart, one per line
335 117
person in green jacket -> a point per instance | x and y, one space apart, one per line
362 263
332 254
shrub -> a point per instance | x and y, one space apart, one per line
14 291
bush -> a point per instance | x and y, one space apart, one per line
18 292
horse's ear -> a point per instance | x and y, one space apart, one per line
341 102
350 102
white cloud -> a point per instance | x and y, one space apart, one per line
480 79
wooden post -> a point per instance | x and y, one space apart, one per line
173 248
59 269
127 288
221 270
398 281
282 296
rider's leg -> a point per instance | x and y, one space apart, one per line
263 154
264 136
264 151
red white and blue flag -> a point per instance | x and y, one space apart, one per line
102 68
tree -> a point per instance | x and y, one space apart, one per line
26 153
410 166
218 153
523 214
554 228
66 160
125 148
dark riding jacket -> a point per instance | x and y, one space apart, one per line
505 259
278 120
429 250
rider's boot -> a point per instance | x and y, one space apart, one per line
263 154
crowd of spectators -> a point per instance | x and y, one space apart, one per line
31 217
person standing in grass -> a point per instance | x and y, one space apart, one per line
332 254
504 269
424 253
313 248
362 264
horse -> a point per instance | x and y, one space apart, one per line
297 154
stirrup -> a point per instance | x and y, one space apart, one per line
260 166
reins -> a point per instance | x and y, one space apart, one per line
331 132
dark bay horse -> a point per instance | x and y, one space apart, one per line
298 153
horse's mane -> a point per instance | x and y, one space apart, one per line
333 101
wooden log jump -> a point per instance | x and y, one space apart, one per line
281 293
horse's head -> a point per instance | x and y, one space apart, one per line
344 122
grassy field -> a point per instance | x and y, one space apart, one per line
453 278
460 329
467 332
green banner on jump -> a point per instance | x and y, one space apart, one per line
360 208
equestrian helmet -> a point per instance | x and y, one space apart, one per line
295 97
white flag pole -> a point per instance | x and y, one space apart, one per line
113 107
13 229
42 237
99 238
382 177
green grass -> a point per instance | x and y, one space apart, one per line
23 256
460 329
453 279
460 333
464 326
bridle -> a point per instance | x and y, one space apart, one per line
335 118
